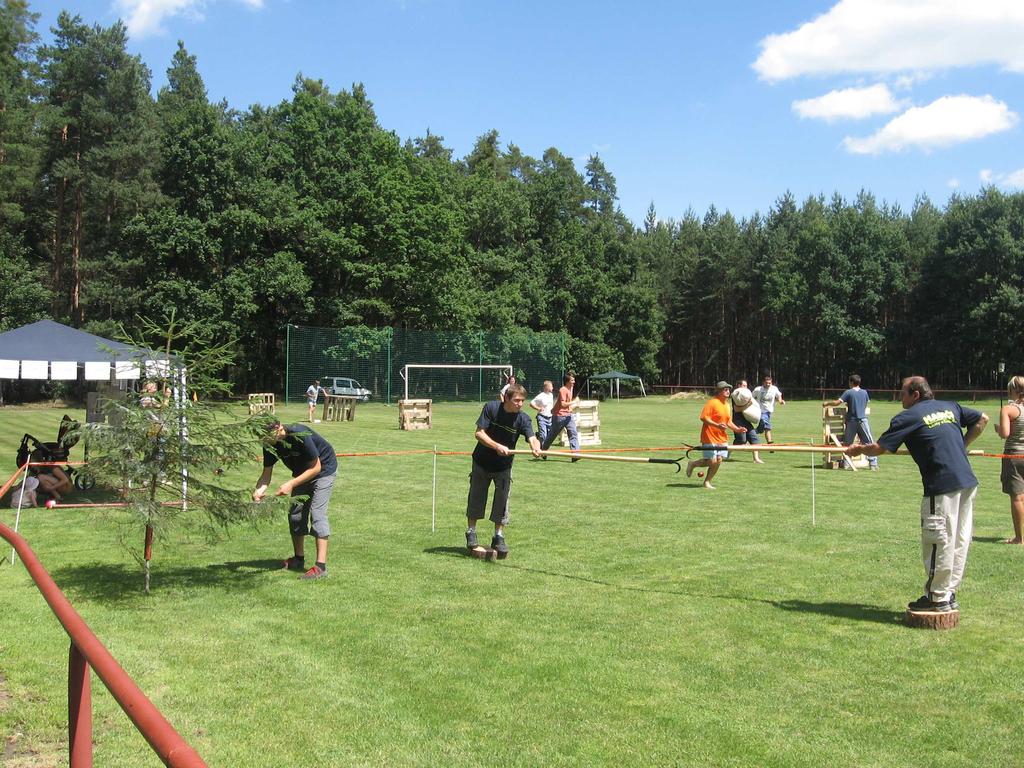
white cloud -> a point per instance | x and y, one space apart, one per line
953 183
946 121
145 17
849 103
1013 179
898 36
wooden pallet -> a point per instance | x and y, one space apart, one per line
588 424
415 414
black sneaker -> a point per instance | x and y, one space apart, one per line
471 542
953 604
294 563
498 545
924 603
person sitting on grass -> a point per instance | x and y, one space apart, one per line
716 418
498 429
53 482
25 496
314 468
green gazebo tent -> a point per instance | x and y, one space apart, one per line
617 377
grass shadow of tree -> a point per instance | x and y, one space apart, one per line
123 583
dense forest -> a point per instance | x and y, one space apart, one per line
116 203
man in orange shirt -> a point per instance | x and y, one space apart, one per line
562 416
716 418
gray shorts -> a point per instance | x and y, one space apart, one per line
310 516
1012 476
479 482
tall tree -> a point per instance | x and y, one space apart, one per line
23 296
99 141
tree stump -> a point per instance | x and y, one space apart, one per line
932 619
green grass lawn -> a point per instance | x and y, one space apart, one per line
640 620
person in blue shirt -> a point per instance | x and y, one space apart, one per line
856 401
933 431
314 467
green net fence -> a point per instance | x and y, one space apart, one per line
376 357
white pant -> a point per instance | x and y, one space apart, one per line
946 523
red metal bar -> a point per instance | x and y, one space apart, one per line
165 741
79 710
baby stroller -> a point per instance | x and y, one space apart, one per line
34 450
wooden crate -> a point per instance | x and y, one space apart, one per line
262 402
588 424
833 424
415 414
339 408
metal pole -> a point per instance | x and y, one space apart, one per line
480 361
391 336
17 515
287 358
814 521
79 710
433 496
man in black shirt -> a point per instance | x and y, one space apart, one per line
933 433
498 429
314 467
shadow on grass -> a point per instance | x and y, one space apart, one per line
856 611
852 611
992 540
117 583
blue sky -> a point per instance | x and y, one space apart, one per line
689 104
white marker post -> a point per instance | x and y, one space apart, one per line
433 497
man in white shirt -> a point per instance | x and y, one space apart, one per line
543 404
767 395
312 393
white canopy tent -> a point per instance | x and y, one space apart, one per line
47 350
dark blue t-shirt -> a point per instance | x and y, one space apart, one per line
856 403
299 449
933 433
502 427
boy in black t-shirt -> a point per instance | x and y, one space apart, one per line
498 429
314 467
932 430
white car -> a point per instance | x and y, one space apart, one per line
337 385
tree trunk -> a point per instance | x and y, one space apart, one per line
76 252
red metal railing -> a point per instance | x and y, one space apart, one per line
88 652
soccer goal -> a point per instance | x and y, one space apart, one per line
476 385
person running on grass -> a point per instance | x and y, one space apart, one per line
767 395
716 418
314 468
543 403
498 429
562 416
741 399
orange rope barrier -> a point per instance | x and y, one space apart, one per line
7 486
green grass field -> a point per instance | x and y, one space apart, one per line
640 620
